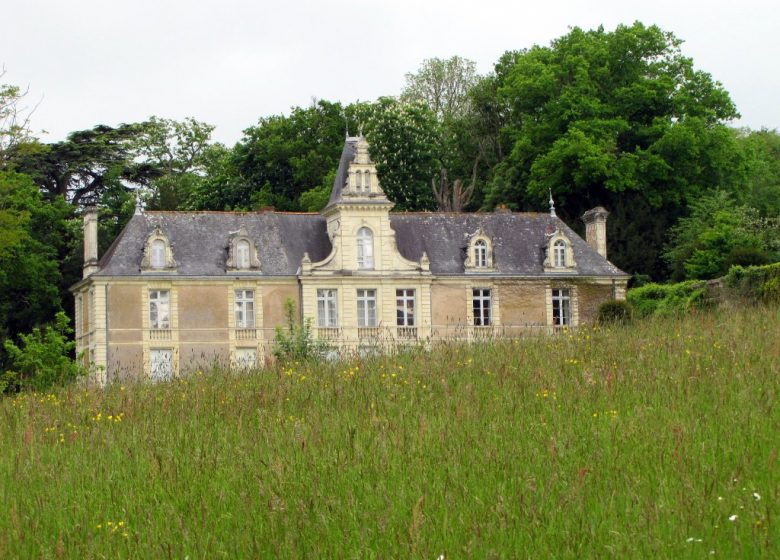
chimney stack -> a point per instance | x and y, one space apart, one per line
596 229
90 240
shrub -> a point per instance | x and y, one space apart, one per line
667 299
43 359
296 342
614 311
754 283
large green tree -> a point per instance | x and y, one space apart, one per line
599 115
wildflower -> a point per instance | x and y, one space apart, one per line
720 498
733 518
756 496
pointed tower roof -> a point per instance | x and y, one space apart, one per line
356 178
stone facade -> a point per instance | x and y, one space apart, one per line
178 292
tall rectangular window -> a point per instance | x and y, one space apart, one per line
561 307
366 308
245 309
404 308
326 308
481 306
161 364
159 309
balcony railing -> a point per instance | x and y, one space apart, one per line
365 333
328 333
407 333
246 334
159 334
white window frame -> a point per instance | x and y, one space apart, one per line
159 254
366 307
481 304
365 248
243 251
480 253
559 253
244 308
161 364
406 307
159 309
327 308
561 307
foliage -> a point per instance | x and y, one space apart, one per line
36 243
667 299
44 358
761 153
755 283
442 85
718 234
614 312
404 143
296 342
650 436
14 120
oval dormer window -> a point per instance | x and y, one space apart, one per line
559 254
158 254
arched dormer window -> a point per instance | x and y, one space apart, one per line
479 253
365 248
560 254
158 254
242 253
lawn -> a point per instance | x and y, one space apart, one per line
658 440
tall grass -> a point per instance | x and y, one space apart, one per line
641 441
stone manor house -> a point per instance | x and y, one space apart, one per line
179 291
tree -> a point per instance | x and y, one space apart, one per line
761 152
177 151
719 234
14 120
598 115
443 85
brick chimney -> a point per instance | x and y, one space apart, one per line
90 240
596 229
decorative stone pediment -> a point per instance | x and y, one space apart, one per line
559 254
242 252
479 253
158 253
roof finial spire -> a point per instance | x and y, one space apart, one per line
552 205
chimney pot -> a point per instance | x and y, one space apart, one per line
90 240
596 229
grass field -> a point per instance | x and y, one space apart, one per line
657 440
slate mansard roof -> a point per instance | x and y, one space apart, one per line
200 242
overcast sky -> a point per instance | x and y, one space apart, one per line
231 62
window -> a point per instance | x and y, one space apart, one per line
404 303
246 358
365 248
561 307
159 309
161 362
242 254
366 308
481 303
559 254
245 309
158 254
366 181
480 254
326 308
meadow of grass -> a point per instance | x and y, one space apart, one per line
659 439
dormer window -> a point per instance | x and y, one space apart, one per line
158 254
367 181
365 248
479 253
242 254
559 253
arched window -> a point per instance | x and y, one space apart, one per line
559 254
366 181
480 254
158 254
242 254
365 248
